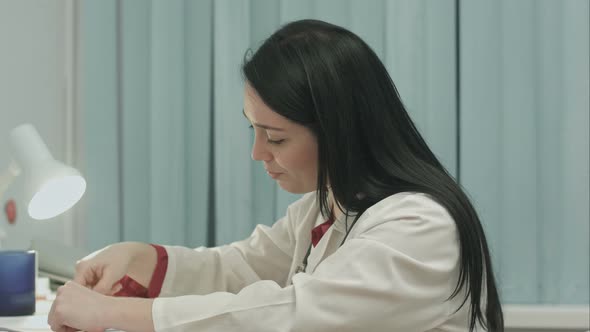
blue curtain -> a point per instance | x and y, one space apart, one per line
524 142
167 151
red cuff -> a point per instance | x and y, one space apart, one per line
159 272
131 288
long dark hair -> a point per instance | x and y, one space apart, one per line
326 78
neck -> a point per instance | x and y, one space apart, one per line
336 212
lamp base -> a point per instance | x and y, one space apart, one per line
17 304
17 282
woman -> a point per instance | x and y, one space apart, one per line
384 239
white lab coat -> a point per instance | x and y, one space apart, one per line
394 272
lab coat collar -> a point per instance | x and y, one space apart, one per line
341 223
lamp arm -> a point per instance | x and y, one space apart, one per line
7 177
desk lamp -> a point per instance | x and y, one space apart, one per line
51 187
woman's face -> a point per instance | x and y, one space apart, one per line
287 150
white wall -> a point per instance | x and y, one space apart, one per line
34 50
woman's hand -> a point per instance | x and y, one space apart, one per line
102 270
79 308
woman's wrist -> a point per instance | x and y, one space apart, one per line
143 262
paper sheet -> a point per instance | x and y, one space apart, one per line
25 323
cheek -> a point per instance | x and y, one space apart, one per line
304 163
310 164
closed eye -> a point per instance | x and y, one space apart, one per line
275 142
270 141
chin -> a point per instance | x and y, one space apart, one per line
294 189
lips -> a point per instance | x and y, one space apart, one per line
273 175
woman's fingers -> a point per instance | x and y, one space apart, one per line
78 307
86 274
105 284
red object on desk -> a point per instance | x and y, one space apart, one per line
10 211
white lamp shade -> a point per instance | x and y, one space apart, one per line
51 187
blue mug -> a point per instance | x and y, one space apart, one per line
18 271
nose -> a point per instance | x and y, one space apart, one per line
260 151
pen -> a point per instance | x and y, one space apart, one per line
5 329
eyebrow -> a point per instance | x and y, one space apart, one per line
260 125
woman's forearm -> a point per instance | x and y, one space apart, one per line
130 314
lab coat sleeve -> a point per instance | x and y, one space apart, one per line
265 255
394 275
